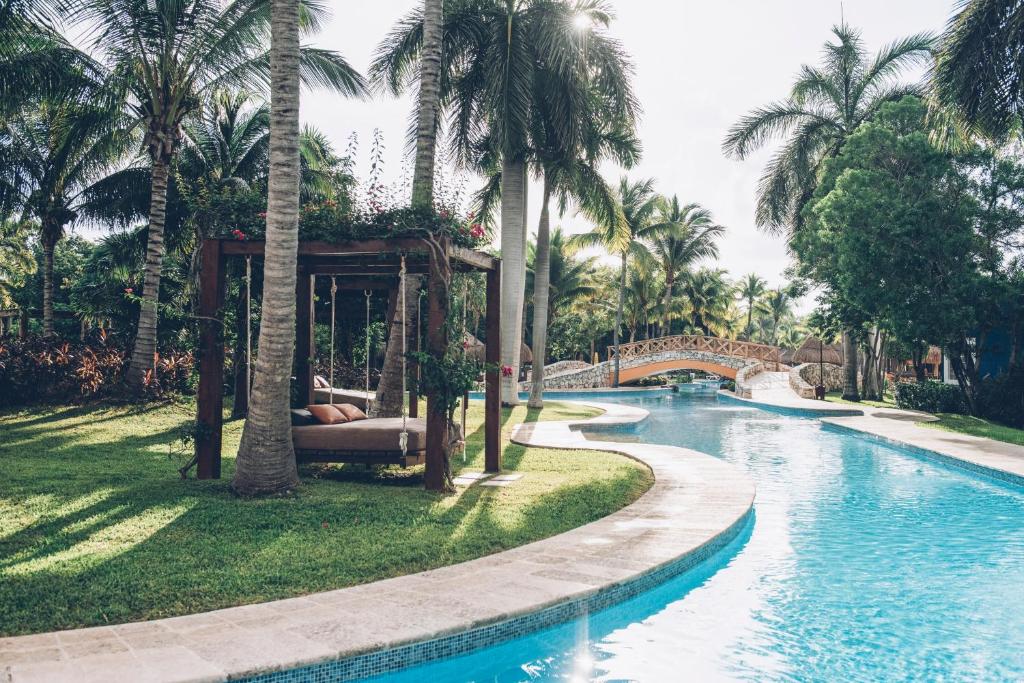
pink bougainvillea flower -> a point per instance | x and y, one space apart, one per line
477 231
506 370
129 290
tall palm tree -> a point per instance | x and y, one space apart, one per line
495 55
750 290
164 59
625 234
16 259
708 295
778 308
389 390
690 236
56 159
978 70
569 275
266 457
825 106
641 301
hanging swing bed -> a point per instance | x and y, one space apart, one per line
359 267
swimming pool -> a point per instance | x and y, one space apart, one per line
864 562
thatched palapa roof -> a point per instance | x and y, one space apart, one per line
813 349
477 350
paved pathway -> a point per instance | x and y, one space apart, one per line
697 502
902 426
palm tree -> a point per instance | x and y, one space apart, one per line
750 290
624 235
708 297
641 301
825 106
978 71
778 307
569 276
500 60
690 236
57 155
16 259
266 457
164 59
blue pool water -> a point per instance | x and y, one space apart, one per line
864 562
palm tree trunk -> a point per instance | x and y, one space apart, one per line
389 390
618 318
850 392
750 319
513 273
266 458
144 349
669 282
426 117
541 278
49 243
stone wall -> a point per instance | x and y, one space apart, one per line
600 375
564 366
743 377
804 378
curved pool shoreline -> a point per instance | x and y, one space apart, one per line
696 506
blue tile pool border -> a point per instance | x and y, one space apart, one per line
415 654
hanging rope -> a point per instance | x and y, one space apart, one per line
403 438
334 293
367 293
465 407
248 326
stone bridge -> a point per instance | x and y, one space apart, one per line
641 359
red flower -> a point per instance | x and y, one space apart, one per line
444 213
239 235
477 231
465 344
129 290
262 214
506 370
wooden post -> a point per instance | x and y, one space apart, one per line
492 396
23 325
437 344
211 362
305 342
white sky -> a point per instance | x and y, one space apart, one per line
699 67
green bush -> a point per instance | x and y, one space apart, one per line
930 397
1001 398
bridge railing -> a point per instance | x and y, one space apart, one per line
694 342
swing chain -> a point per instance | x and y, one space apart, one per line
334 292
367 293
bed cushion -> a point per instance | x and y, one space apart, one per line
302 417
327 414
377 434
351 412
320 382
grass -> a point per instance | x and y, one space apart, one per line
96 527
976 426
836 397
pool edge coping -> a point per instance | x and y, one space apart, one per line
644 526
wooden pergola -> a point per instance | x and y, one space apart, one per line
357 265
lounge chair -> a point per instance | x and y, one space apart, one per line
373 442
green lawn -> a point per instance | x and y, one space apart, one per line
96 527
836 397
965 424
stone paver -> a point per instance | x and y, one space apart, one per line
694 500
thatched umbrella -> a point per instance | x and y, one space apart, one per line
813 350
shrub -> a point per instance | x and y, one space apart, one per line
930 397
38 370
1001 398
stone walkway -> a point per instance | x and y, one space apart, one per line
898 426
696 505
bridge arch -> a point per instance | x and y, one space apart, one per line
712 365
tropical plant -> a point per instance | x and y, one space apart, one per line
625 235
825 107
57 156
777 307
16 259
978 71
690 236
708 296
750 290
164 60
569 275
501 59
